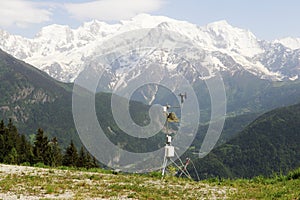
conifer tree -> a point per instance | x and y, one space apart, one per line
1 127
82 159
12 135
24 150
12 128
95 163
12 157
10 141
2 140
55 153
2 147
41 148
16 149
89 161
71 155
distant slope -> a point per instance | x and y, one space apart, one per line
270 144
35 100
245 93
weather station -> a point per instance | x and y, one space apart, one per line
170 151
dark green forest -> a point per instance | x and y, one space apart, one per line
16 149
270 144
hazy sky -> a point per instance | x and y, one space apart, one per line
267 19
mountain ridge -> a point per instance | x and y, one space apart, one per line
63 52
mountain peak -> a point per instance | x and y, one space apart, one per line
234 39
289 42
54 29
220 23
94 23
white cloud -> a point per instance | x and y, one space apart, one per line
22 13
25 13
112 9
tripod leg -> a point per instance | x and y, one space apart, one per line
164 166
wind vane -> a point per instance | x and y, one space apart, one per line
183 97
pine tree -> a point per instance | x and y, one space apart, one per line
2 147
71 155
12 136
41 148
24 150
89 161
82 159
2 127
2 140
12 157
95 163
9 141
11 127
55 153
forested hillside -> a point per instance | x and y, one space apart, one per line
32 100
271 144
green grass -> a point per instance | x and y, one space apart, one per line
267 189
277 187
99 183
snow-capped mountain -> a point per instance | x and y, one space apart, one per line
63 52
292 43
